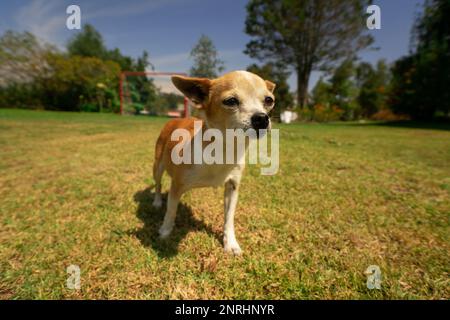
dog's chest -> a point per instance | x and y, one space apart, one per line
214 175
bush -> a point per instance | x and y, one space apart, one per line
321 113
89 107
388 115
24 95
79 81
138 107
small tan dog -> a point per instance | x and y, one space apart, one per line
237 100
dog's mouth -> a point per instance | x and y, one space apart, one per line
261 133
253 132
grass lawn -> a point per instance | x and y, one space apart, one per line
75 189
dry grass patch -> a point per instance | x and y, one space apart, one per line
76 190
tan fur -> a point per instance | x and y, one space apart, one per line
209 95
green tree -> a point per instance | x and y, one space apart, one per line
278 75
420 81
206 61
145 86
125 62
87 43
321 94
22 58
23 62
78 82
372 84
344 90
306 34
325 103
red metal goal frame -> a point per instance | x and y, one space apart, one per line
125 74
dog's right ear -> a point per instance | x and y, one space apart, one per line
196 89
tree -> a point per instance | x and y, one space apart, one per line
358 90
372 84
125 62
321 93
35 75
339 92
306 34
344 90
79 81
87 43
23 62
278 75
206 61
22 58
143 85
420 81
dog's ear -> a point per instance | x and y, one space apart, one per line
270 85
196 89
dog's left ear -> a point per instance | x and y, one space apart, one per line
196 89
270 85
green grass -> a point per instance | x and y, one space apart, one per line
75 190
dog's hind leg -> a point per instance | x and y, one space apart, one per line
171 213
158 170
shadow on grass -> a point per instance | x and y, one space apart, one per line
153 218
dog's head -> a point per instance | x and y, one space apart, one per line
237 100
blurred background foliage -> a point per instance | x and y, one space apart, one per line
84 76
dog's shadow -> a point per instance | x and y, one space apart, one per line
153 217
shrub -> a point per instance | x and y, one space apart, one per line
321 113
138 107
388 115
77 81
89 107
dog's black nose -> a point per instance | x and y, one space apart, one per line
260 120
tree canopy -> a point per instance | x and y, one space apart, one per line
22 58
87 43
206 61
421 81
306 35
357 90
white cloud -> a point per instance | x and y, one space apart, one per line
47 18
40 18
127 9
181 61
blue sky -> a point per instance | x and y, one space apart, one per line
168 29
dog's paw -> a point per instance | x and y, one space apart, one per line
157 202
233 248
164 232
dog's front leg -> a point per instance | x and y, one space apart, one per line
230 201
171 212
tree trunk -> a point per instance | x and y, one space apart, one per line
302 87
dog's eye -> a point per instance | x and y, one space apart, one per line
268 101
231 102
